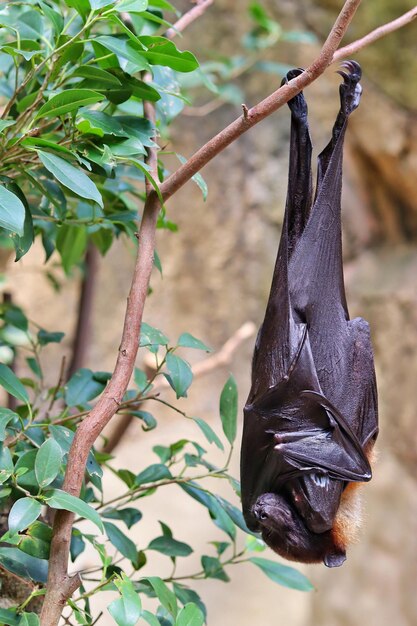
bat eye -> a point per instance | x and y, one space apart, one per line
263 516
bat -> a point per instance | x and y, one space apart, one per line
311 418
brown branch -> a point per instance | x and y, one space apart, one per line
188 17
379 32
220 359
85 305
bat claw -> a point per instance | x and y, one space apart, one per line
350 89
297 105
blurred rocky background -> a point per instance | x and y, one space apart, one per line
216 275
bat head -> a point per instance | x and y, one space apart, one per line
284 531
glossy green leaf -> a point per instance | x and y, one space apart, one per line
132 6
125 610
228 409
187 340
190 615
170 547
48 462
58 499
12 212
25 470
23 513
217 513
10 618
165 595
152 474
71 177
149 422
44 337
24 565
29 619
123 544
127 49
71 243
213 568
67 101
82 387
23 243
282 574
10 382
98 123
180 375
160 51
208 432
5 124
151 337
128 515
186 595
6 416
150 618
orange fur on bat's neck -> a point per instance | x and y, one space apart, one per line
349 515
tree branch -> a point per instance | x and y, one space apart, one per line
189 17
379 32
60 585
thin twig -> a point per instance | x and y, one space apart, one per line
220 359
188 17
379 32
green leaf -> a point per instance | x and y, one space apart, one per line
23 243
12 212
180 375
125 610
25 470
149 422
208 432
132 6
23 513
162 52
129 515
169 546
186 595
190 615
198 179
71 243
165 595
44 337
6 464
10 382
82 387
228 409
5 124
122 543
6 415
48 462
67 101
187 340
71 177
99 123
29 619
150 618
151 337
282 574
234 513
213 568
58 499
9 617
127 49
217 513
152 474
24 565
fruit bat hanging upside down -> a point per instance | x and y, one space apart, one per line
311 416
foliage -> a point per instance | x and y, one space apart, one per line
73 139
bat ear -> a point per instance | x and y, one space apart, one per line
335 558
